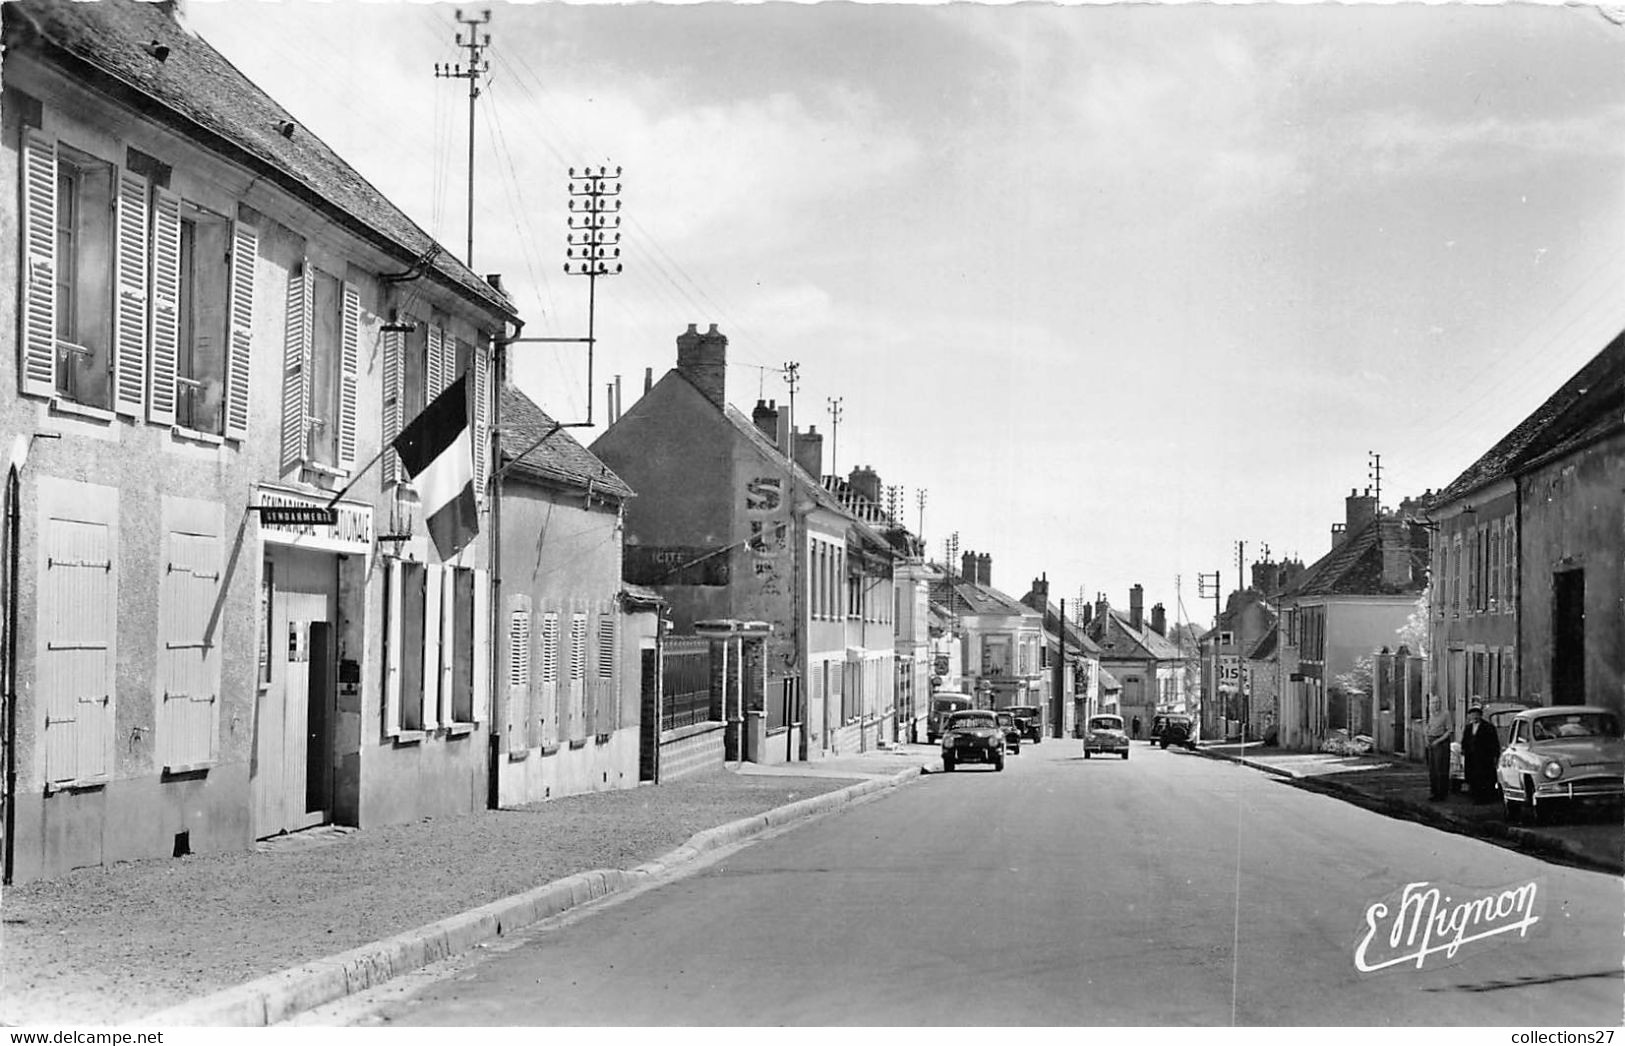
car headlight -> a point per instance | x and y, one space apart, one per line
1552 770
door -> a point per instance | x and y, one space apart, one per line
292 771
1458 686
1569 637
649 724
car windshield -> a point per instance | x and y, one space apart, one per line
1574 724
1105 722
1023 711
1006 719
951 704
971 722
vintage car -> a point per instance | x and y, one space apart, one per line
1499 715
972 737
1030 720
944 703
1103 734
1175 729
1561 754
1012 731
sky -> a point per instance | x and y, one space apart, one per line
1117 286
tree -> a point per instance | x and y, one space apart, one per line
1416 633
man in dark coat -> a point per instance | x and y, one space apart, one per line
1480 751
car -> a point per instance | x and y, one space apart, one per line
1561 754
944 703
1031 721
1499 715
972 736
1104 734
1176 730
1012 731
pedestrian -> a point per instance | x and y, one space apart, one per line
1136 728
1436 737
1480 751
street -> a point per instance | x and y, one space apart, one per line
1167 889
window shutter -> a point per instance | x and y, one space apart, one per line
245 245
519 677
392 649
394 372
295 372
448 640
548 721
436 376
482 438
431 646
166 276
130 306
38 370
578 673
349 360
481 701
78 601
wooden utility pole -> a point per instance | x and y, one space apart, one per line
476 44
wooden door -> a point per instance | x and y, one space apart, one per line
291 775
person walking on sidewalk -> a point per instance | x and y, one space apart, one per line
1437 749
1480 751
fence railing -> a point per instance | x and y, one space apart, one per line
685 693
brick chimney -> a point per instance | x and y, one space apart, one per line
1264 576
810 452
1359 510
703 360
1159 620
1394 541
865 482
1102 608
1136 607
1340 531
1088 613
1040 593
967 566
766 417
984 569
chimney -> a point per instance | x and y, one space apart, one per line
1394 541
703 360
984 569
648 379
1264 576
766 417
865 483
1040 593
967 566
1102 608
1339 532
1159 620
1360 510
1136 607
495 281
1088 615
810 452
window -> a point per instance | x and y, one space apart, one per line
435 626
84 279
188 680
321 357
1227 639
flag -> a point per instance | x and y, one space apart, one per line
437 451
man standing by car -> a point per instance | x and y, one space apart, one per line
1480 751
1437 749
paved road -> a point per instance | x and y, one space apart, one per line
1167 889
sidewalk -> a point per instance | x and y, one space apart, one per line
113 945
1397 787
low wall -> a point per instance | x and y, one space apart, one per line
691 750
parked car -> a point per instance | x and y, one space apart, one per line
973 736
1031 721
1567 754
1104 734
1012 731
1499 715
944 703
1176 730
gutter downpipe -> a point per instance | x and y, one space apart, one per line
13 532
499 702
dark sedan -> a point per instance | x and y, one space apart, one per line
973 737
1029 720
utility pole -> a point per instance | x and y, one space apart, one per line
919 496
477 67
1241 675
792 378
1208 585
834 432
1374 473
1058 705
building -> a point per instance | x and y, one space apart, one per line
732 523
1345 607
567 704
1068 647
1151 671
1240 668
223 623
1001 639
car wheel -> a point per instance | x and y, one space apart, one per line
948 764
1165 744
1511 808
998 763
1086 753
1125 753
1538 814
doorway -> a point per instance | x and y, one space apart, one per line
1569 637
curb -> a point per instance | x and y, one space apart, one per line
278 996
1519 838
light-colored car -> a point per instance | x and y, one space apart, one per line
1104 734
972 737
1499 715
1562 754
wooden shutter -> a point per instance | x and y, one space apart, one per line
548 717
481 700
245 245
189 665
482 438
78 603
578 674
392 648
38 371
130 295
394 375
436 373
519 677
431 645
449 651
296 366
349 364
166 289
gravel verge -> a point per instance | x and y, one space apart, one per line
108 945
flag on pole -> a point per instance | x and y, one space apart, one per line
437 451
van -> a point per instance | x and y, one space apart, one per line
944 703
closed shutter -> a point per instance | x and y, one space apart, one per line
482 438
450 653
130 305
605 717
431 645
482 648
392 648
245 245
78 600
166 289
295 365
436 363
188 659
38 372
349 362
394 375
578 674
519 731
547 714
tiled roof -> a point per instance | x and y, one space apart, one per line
641 595
1122 640
967 597
1076 637
1264 649
559 458
1354 567
199 93
1605 374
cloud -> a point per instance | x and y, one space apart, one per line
1405 141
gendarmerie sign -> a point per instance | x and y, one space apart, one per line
289 518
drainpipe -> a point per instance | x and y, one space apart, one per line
13 531
499 701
